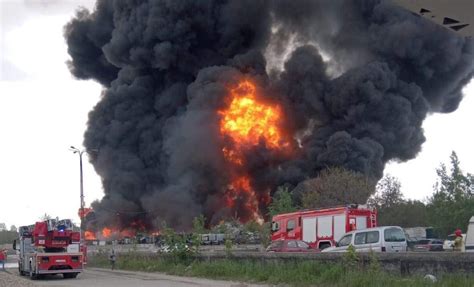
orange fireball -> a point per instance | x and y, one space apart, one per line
248 121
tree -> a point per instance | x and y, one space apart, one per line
281 202
7 236
452 203
13 228
388 193
456 184
335 186
409 213
199 224
393 208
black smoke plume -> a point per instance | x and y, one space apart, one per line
355 80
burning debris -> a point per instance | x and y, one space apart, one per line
208 106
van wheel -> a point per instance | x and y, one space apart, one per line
324 246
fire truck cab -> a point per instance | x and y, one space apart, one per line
322 228
49 247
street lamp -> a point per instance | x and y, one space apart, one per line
80 152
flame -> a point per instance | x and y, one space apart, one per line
248 121
89 235
111 232
242 194
127 233
106 232
236 189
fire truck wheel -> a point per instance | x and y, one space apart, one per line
69 275
324 245
33 275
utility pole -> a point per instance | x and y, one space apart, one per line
81 217
81 213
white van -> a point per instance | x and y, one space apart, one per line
378 239
469 243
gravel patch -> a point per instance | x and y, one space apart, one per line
9 279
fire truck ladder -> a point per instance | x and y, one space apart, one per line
373 220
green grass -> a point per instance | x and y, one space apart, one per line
293 272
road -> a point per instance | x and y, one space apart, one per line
109 278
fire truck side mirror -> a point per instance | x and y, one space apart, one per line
14 244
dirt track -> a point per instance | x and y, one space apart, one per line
108 278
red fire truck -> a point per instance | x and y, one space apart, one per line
322 228
49 247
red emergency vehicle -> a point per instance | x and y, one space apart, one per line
49 247
322 228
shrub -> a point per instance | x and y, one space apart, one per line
350 260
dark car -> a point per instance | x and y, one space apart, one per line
429 245
290 246
411 242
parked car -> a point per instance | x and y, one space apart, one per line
411 242
429 245
448 243
290 245
247 237
377 239
212 238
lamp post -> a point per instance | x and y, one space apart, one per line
81 215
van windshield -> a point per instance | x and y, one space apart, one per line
345 241
394 235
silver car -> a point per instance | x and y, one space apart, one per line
377 239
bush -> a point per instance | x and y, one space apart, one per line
350 260
292 272
228 247
179 247
374 264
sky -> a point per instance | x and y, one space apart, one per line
43 111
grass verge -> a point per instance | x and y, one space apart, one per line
292 272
